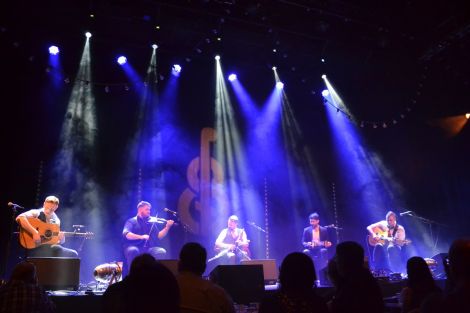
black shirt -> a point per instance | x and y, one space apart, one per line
139 226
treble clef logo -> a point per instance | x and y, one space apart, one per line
203 194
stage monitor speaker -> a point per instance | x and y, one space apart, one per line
170 264
269 269
57 273
244 283
439 270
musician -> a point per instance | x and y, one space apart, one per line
232 243
47 215
141 233
387 254
315 241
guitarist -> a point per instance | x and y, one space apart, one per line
47 215
315 240
234 241
387 253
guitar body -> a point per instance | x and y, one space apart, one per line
384 239
49 234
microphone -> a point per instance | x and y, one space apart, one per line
406 213
170 211
15 205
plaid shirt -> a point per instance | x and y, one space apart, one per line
19 297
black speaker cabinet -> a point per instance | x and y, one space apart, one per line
244 283
269 269
438 269
57 273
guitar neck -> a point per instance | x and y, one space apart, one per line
71 233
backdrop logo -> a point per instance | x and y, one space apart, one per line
204 199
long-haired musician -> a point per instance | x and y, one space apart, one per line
388 239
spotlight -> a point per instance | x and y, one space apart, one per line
325 93
274 68
279 85
154 46
122 60
176 69
322 60
467 116
323 76
217 57
232 77
54 50
87 34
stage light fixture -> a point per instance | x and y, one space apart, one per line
467 116
88 35
279 85
122 60
323 76
154 46
325 93
176 69
232 77
217 57
54 50
274 68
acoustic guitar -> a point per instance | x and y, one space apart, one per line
384 238
49 234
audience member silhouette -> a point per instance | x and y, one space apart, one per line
149 287
420 285
198 294
297 293
22 294
356 290
458 297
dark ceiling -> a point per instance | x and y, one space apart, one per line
383 40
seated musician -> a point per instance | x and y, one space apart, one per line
141 234
32 233
232 243
389 240
315 240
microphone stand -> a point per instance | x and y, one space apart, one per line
4 264
186 227
256 227
430 223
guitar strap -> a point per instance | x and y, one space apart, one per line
42 217
395 229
